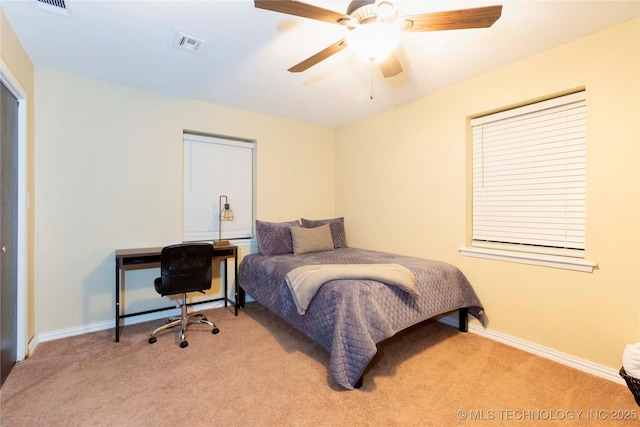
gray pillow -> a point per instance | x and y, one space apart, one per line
274 238
337 229
307 240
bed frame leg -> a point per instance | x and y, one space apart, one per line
358 383
463 316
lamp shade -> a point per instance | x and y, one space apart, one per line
373 42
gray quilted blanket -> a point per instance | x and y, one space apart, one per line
349 317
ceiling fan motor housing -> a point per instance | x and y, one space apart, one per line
370 11
357 4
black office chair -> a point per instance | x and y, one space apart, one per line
185 267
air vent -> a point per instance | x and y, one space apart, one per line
60 7
189 43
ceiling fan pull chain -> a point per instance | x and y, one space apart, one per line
371 89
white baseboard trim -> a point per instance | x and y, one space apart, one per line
33 343
540 350
101 326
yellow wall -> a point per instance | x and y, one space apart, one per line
20 67
404 187
109 174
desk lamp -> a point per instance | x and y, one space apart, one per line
225 215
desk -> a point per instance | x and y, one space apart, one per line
133 259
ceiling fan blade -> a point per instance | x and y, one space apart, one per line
479 17
391 66
297 8
320 56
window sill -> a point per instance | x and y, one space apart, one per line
566 263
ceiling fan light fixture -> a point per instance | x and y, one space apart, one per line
373 42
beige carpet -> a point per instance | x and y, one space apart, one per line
260 372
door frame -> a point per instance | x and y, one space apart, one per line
9 80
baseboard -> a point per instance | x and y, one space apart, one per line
539 350
101 326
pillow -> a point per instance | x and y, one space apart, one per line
307 240
274 238
337 229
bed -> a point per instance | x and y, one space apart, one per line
348 316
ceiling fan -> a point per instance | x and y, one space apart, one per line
375 27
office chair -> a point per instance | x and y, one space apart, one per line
184 267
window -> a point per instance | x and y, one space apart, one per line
216 166
529 176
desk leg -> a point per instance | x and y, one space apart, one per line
117 293
226 280
236 301
240 293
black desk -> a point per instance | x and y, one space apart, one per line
133 259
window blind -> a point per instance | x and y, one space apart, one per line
529 173
215 166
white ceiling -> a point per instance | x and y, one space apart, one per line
245 62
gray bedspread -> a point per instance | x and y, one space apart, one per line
349 317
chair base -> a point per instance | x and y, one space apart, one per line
183 321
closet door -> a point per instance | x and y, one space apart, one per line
8 230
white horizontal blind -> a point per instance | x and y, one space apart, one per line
215 166
529 177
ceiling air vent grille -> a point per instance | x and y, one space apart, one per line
54 3
188 42
61 7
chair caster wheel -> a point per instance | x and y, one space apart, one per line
183 344
215 331
152 340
